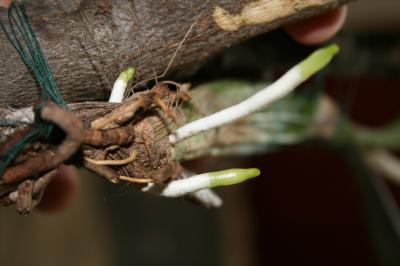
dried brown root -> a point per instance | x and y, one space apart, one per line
24 200
136 180
13 139
107 137
167 109
29 193
75 137
103 171
123 131
130 107
50 159
183 89
128 160
121 113
169 105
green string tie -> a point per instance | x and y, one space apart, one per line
21 36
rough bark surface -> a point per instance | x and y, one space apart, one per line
88 42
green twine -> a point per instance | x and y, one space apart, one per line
13 152
24 40
21 36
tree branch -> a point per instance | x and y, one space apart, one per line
88 44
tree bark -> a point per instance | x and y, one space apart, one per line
89 42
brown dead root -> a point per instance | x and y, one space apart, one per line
140 126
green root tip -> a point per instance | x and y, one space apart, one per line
127 75
232 176
317 60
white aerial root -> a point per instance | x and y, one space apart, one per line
385 163
199 185
118 90
207 197
274 92
195 183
